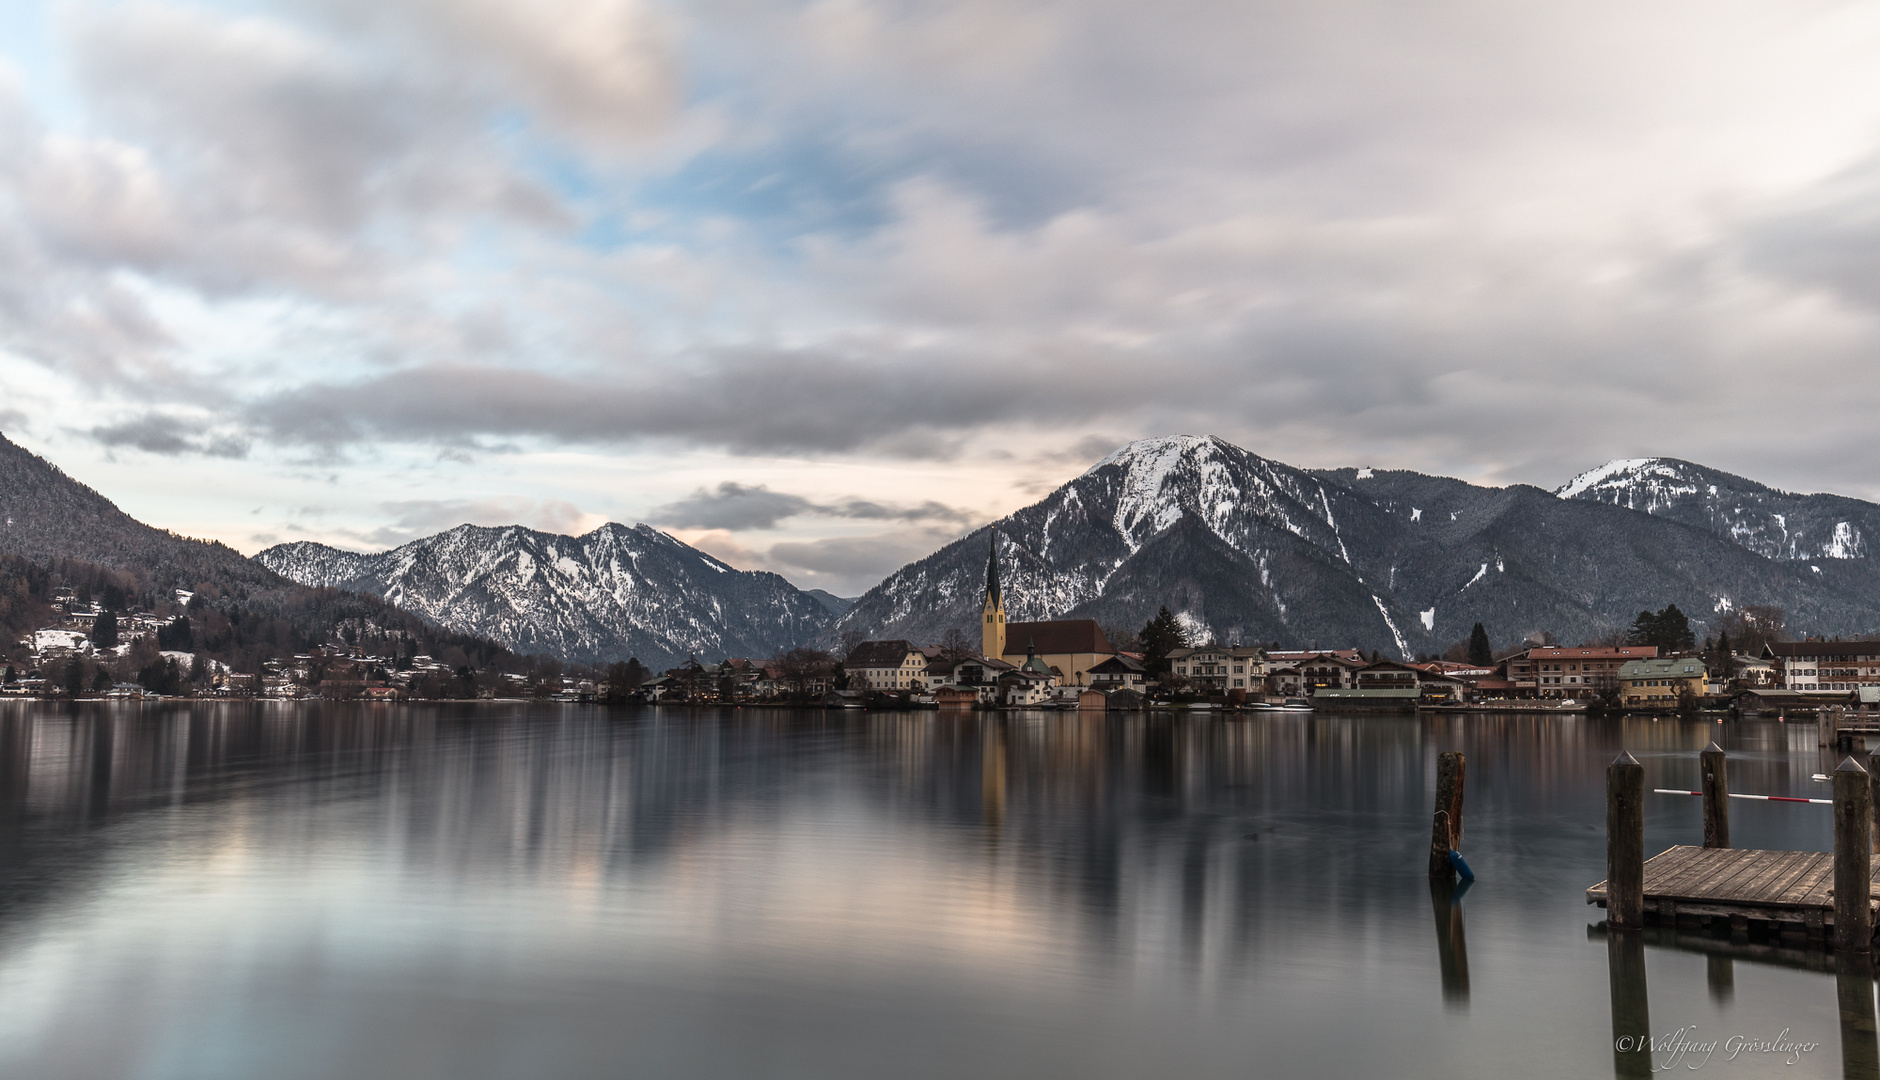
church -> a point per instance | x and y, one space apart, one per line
1069 647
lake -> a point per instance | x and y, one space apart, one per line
248 890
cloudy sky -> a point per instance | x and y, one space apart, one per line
819 285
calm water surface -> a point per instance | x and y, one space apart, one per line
289 891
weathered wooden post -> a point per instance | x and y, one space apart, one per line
1853 858
1446 825
1625 842
1824 724
1716 797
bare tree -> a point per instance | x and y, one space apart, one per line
850 639
799 666
1751 628
955 646
1123 639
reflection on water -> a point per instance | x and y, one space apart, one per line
237 890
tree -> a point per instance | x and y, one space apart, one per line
798 667
1123 639
175 635
104 630
1161 636
1667 629
850 639
839 678
73 678
1754 627
1722 661
623 679
956 646
1481 654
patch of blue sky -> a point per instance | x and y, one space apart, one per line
781 191
30 44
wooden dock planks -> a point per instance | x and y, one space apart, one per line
1779 886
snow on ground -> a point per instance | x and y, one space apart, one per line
1592 478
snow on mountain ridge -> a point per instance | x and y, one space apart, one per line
610 593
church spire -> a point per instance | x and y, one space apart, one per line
993 599
992 633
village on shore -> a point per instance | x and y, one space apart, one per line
92 652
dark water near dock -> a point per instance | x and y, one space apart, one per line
299 891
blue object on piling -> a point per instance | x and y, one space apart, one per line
1462 867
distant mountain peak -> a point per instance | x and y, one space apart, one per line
1661 475
614 592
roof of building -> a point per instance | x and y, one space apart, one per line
1294 656
1059 636
1238 652
1822 648
1121 663
1662 667
1594 652
880 653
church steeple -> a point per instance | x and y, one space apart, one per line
992 629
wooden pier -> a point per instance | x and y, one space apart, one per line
1828 898
1773 887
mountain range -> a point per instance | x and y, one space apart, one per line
613 593
1246 549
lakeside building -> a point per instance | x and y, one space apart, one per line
1824 665
1563 671
1661 683
888 665
1221 667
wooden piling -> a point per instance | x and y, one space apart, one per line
1824 724
1716 788
1853 857
1625 842
1446 823
1873 789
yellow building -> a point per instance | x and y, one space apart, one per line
1660 683
1069 647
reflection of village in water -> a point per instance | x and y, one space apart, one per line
1198 848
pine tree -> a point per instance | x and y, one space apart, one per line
104 630
1480 652
1160 636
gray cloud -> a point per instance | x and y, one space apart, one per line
732 506
157 433
738 507
1825 238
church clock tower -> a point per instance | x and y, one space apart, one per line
992 627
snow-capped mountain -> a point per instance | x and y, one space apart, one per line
613 593
1251 550
1772 523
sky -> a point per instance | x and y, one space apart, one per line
818 286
